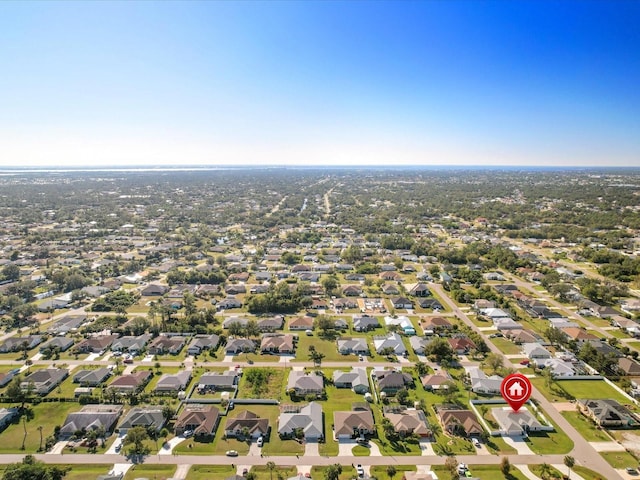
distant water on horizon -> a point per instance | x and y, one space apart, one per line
15 170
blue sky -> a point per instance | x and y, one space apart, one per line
322 83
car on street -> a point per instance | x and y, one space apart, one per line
231 453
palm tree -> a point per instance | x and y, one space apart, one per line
40 427
569 461
271 466
545 471
391 471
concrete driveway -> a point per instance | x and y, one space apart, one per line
311 449
345 447
254 449
168 447
426 447
519 443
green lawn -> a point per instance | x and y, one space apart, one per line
274 445
263 473
620 459
210 472
554 472
84 472
563 390
157 472
585 427
556 442
380 472
328 348
506 346
482 471
338 399
498 446
256 357
618 333
47 415
360 451
586 473
348 472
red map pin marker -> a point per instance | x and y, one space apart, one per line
516 390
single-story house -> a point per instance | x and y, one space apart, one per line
249 423
307 418
357 346
202 420
173 382
91 417
355 379
148 417
409 421
350 424
305 383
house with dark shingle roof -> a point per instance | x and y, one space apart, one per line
132 382
215 382
255 426
202 420
170 383
609 413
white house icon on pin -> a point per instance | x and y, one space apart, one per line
516 390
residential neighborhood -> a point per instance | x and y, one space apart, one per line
311 343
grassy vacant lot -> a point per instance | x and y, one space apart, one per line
586 427
327 347
564 390
507 346
272 389
620 459
591 389
210 472
47 415
159 472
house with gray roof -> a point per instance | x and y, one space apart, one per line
365 323
15 344
91 417
390 381
242 321
308 419
61 343
392 341
353 346
609 413
7 415
418 344
305 383
148 417
356 379
199 343
45 380
239 345
215 382
131 344
67 324
517 423
92 378
167 344
481 383
169 383
535 351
